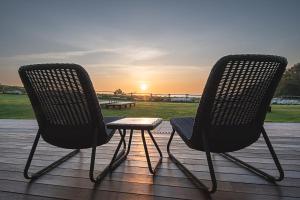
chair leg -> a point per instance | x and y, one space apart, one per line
189 174
258 172
152 170
48 168
124 145
116 160
119 157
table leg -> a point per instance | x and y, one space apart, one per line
121 134
123 155
129 143
153 171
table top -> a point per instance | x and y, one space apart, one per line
135 123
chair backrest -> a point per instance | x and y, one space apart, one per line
65 104
235 100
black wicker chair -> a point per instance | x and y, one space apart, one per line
231 112
68 114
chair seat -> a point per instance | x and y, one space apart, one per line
183 126
220 141
77 137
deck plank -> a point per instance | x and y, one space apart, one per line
131 180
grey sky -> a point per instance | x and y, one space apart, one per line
118 36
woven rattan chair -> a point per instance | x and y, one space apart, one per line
231 112
68 114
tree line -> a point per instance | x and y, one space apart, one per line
290 82
288 86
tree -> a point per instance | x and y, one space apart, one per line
290 82
118 92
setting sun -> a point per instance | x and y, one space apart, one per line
143 86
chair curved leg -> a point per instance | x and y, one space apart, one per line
152 170
48 168
118 156
116 160
189 174
259 172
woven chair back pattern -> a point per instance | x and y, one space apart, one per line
235 99
60 94
238 91
241 90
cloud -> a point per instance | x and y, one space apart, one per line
128 68
53 55
131 53
142 53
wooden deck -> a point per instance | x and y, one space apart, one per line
132 180
120 104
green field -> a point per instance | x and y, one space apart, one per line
18 107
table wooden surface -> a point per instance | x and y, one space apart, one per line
135 123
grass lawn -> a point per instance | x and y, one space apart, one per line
18 107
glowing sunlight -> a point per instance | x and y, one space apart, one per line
143 86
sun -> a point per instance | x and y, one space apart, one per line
143 86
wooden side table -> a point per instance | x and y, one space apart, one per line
142 124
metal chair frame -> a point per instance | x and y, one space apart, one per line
235 99
66 106
237 161
188 173
116 160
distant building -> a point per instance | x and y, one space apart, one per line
182 99
13 92
288 100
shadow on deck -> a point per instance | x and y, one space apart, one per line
131 180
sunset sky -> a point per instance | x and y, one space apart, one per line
162 46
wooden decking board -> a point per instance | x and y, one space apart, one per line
193 155
83 193
132 179
179 148
247 153
48 190
134 166
194 163
128 175
181 182
141 157
21 196
235 169
137 156
112 186
109 186
201 174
